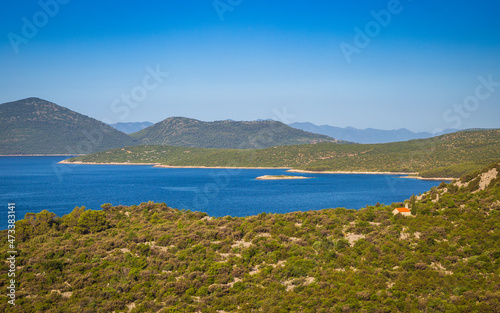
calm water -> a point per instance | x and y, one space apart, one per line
38 183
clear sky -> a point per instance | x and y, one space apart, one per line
421 65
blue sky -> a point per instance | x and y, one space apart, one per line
418 64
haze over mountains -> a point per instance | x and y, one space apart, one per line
351 134
130 127
37 126
368 135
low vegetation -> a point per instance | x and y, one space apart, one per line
152 258
451 155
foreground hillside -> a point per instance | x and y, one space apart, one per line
36 126
186 132
450 155
152 258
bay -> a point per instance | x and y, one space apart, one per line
38 183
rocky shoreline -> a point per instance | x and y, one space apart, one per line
278 177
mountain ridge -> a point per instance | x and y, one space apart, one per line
188 132
367 135
37 126
34 126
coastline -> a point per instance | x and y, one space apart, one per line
410 175
28 155
173 166
351 172
430 178
278 177
108 163
224 167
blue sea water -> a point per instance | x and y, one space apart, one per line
38 183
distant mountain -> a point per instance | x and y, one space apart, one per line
36 126
368 135
131 127
181 131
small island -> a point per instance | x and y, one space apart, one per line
272 177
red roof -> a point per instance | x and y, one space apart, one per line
403 210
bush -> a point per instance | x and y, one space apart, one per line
92 222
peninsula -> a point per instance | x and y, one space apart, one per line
451 156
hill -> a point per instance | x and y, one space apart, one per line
130 127
186 132
36 126
153 258
450 155
368 135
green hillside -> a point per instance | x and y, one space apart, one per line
36 126
152 258
186 132
450 155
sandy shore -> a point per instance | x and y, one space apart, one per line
28 155
225 167
109 163
408 175
277 177
173 166
430 178
350 172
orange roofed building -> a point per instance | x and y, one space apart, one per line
403 211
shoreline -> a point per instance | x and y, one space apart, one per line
351 172
159 165
28 155
430 178
109 163
278 177
223 167
408 175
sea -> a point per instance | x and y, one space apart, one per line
36 183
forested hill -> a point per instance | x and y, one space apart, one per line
450 155
36 126
152 258
186 132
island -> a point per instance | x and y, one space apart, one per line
273 177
